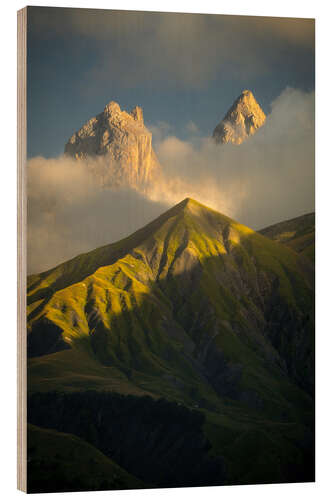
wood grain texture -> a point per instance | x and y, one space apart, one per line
21 250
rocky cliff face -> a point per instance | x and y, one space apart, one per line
123 141
242 120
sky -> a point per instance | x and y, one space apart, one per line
185 71
180 68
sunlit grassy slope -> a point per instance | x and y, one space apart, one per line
154 307
195 308
297 233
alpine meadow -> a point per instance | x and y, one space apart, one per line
170 250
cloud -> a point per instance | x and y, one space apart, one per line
267 179
192 128
69 211
160 130
178 50
100 24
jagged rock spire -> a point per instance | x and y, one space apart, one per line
243 119
123 140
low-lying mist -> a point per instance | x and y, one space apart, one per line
70 212
268 178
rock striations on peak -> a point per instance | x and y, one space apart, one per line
123 141
242 120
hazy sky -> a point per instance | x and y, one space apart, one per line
180 68
185 71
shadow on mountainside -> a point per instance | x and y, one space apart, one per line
214 325
174 344
229 335
160 442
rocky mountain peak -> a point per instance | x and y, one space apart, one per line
242 120
137 114
124 142
112 108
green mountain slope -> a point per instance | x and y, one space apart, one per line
73 465
297 233
194 308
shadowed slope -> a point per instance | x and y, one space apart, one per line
73 465
195 308
298 234
168 298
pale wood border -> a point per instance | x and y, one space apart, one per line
21 250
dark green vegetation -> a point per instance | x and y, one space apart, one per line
298 234
63 462
157 440
197 315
